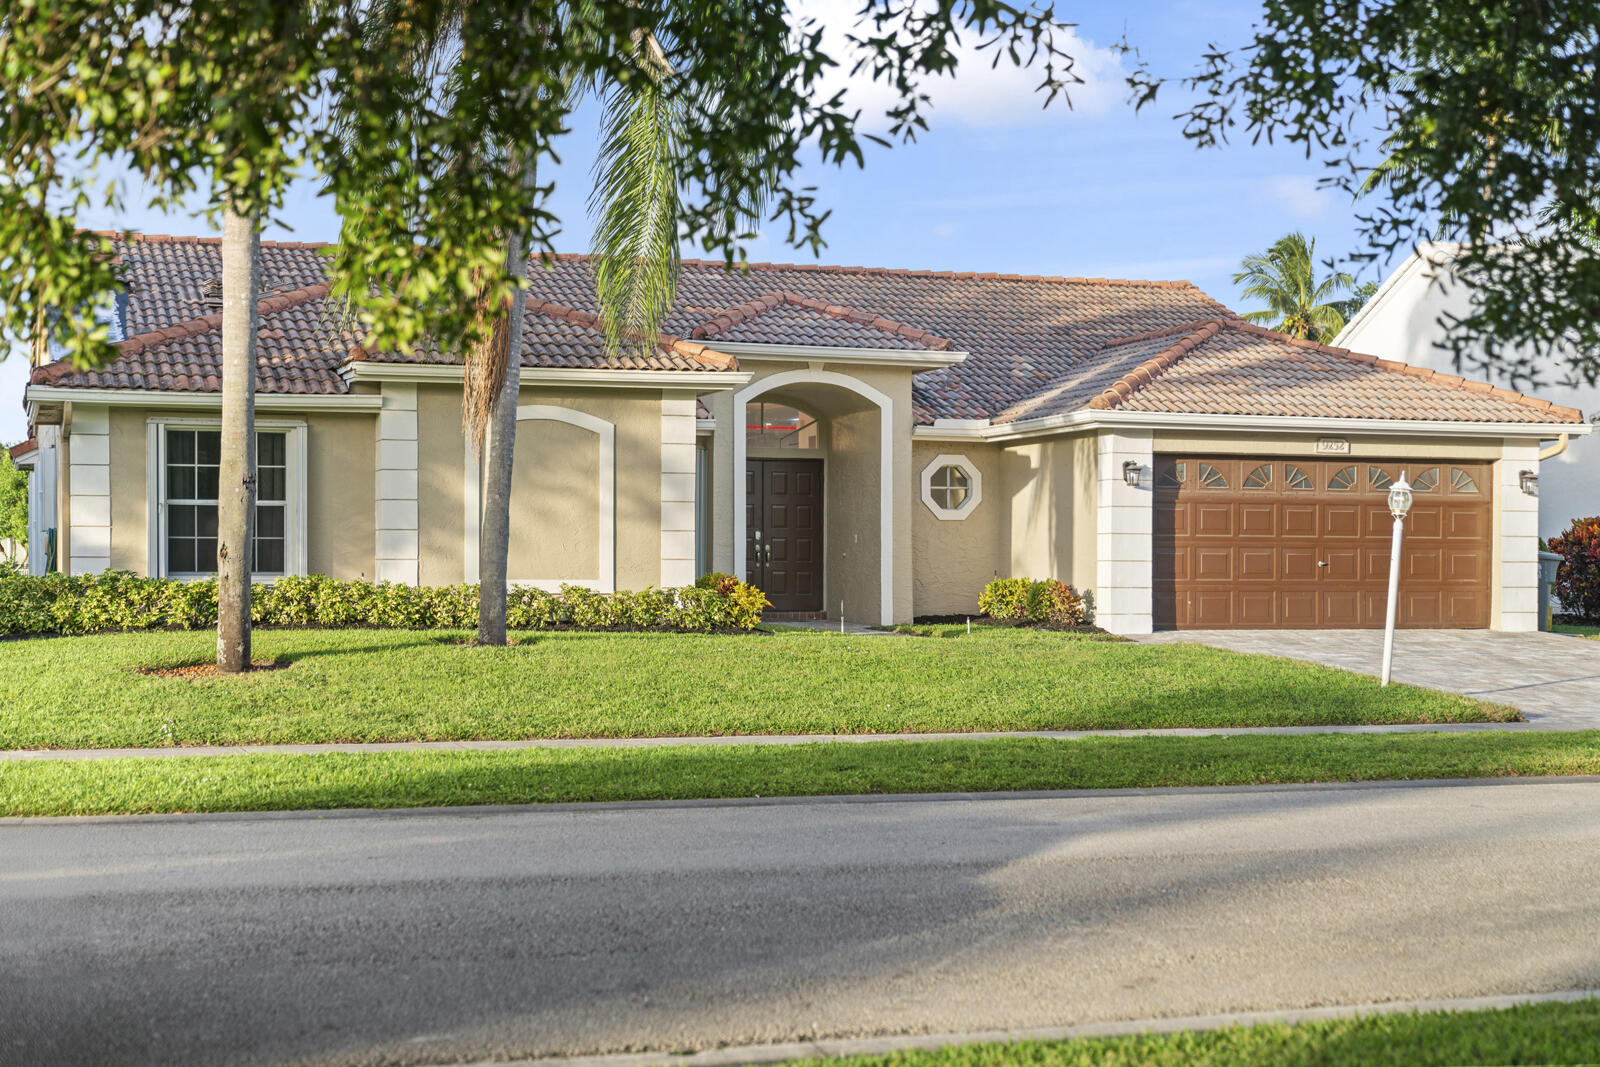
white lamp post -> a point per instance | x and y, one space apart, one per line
1399 504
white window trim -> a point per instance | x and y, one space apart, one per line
155 480
974 475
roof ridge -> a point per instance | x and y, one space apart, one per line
1147 372
730 317
135 237
1454 381
1150 335
700 353
271 305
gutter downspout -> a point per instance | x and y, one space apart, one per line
1554 450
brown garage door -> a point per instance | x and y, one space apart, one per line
1272 542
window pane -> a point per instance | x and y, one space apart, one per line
205 483
269 522
269 556
955 496
180 520
270 483
206 520
270 449
205 555
180 446
180 555
208 446
180 483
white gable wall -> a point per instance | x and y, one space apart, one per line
1401 323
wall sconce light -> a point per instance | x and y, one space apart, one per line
1529 481
1130 472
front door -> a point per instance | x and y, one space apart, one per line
783 531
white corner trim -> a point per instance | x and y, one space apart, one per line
396 555
606 581
974 476
679 465
919 358
886 476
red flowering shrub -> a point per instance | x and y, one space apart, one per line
1578 576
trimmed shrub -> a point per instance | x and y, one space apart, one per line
120 600
1049 603
1578 574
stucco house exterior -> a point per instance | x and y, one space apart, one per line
1402 322
873 442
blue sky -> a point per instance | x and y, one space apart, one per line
999 184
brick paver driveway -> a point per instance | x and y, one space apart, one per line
1554 679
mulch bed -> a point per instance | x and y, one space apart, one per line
207 670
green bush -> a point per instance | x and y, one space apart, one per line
1049 602
121 600
1578 574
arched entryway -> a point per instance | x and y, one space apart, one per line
846 477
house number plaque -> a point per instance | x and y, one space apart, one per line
1332 446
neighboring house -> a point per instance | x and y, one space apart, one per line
24 457
1402 321
877 442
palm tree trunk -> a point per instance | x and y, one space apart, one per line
236 492
499 447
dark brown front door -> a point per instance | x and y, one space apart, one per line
1273 542
783 531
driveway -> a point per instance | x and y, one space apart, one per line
462 936
1554 679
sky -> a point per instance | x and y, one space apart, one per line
998 183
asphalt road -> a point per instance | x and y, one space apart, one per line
462 935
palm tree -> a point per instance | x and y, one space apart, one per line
1285 277
236 492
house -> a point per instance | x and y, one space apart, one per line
872 442
1402 322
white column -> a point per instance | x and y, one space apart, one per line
677 488
89 490
395 556
1124 541
1519 537
42 497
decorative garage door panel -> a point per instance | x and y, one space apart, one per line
1299 543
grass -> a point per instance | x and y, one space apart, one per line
387 685
1574 628
1551 1033
267 782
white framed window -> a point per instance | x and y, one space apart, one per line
183 466
952 486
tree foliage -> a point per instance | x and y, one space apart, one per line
1482 123
1298 303
13 501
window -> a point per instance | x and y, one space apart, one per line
1379 479
186 464
1260 478
951 486
1427 481
1295 478
1343 480
1171 476
1461 481
778 426
1211 478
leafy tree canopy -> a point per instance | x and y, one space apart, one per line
237 93
13 501
1483 122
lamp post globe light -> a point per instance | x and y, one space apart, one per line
1399 506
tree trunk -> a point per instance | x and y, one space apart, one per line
236 491
499 445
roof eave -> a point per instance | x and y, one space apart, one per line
1094 419
916 359
700 381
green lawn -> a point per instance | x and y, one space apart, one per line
1554 1033
1582 631
375 685
530 776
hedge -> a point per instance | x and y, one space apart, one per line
122 600
1050 602
1578 575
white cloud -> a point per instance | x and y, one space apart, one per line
980 93
948 229
1299 194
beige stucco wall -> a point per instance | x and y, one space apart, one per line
953 559
554 512
1049 500
339 488
1370 446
